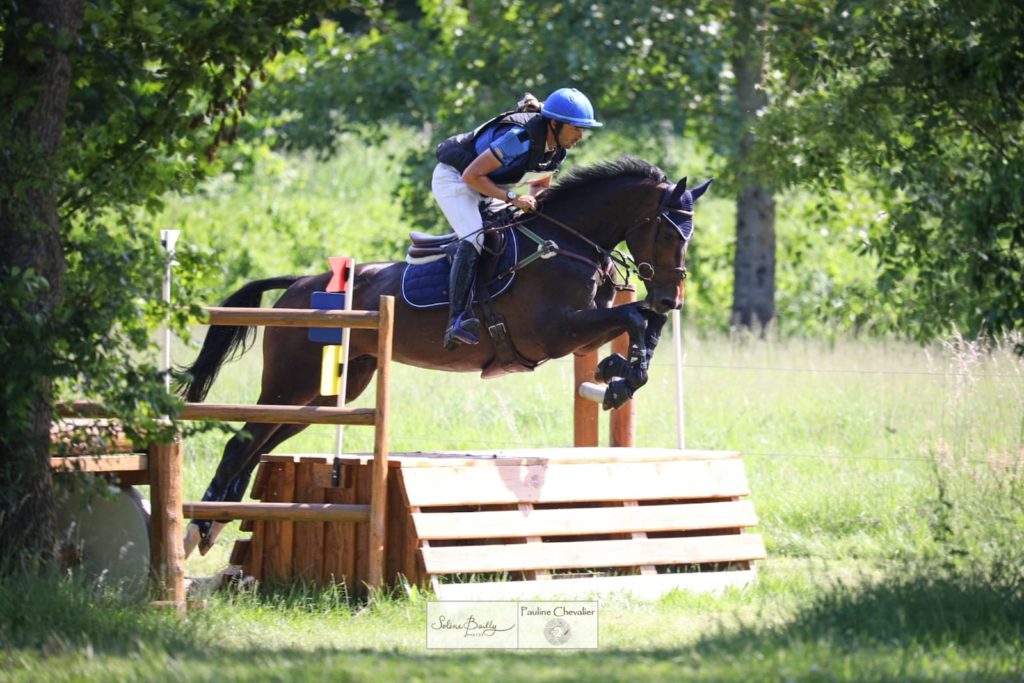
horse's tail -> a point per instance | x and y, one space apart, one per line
223 342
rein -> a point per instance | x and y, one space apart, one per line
613 262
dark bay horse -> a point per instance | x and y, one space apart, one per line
555 306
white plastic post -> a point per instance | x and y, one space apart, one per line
346 333
677 343
168 238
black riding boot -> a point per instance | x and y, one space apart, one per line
462 326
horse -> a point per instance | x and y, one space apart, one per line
559 302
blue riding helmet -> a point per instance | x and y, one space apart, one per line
569 105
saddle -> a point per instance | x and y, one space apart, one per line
425 285
425 247
425 281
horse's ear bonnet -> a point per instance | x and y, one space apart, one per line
701 189
677 192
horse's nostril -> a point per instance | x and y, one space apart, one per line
669 304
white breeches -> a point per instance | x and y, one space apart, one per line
459 202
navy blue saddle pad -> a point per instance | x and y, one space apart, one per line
425 285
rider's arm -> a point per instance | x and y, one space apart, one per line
539 186
476 176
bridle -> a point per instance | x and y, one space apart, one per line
612 261
670 195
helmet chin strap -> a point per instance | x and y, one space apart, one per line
556 129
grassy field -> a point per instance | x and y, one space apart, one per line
889 482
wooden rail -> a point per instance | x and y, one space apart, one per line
292 317
271 512
279 414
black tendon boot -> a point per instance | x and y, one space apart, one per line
462 326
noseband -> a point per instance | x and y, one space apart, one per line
645 270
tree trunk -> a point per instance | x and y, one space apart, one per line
35 73
753 301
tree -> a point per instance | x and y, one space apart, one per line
925 102
106 106
36 79
753 303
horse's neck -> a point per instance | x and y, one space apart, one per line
605 218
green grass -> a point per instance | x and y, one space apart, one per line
889 491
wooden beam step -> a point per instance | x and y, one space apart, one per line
565 482
583 521
592 554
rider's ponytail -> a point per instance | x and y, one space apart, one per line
529 103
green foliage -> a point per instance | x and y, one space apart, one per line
926 100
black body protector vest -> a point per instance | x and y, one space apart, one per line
459 151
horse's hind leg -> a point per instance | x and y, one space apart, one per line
230 480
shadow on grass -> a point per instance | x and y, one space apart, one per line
903 628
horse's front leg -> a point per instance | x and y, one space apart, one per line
595 326
625 375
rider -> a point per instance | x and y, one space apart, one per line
524 147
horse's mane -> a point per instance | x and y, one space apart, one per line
583 176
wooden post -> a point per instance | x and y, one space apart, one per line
167 554
622 432
585 412
379 481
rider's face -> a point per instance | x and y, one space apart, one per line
569 135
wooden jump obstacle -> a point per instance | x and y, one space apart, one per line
517 524
476 525
161 466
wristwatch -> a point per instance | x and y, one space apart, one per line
511 196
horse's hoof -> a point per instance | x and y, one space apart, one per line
616 395
210 538
192 536
613 366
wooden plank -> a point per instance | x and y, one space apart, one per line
361 532
540 574
107 464
332 566
541 456
639 587
277 414
279 548
589 554
253 566
576 482
583 521
646 569
258 486
291 317
278 512
240 552
309 536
